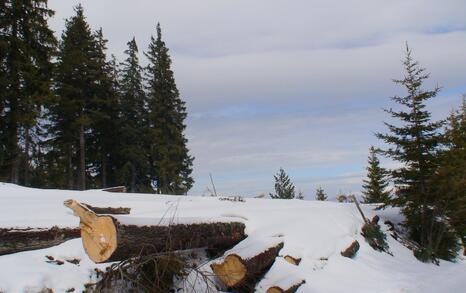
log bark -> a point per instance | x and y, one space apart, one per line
292 289
108 210
242 272
351 251
17 240
106 238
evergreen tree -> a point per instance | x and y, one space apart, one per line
320 194
103 141
450 178
171 165
27 46
284 188
133 168
375 186
70 114
415 144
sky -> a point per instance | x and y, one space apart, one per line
294 84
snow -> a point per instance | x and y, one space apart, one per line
312 230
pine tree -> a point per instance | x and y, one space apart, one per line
284 188
171 164
70 114
415 144
27 46
375 186
320 194
133 168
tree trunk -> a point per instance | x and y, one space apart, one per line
27 142
104 171
133 178
82 159
242 269
16 240
107 238
69 166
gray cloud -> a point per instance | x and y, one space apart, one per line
298 84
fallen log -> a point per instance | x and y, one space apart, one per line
291 289
108 210
292 260
114 238
119 189
243 266
283 277
17 240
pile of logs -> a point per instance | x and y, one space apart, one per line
109 238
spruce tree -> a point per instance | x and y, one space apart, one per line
70 114
133 167
27 46
375 186
450 178
320 194
103 140
284 188
415 143
171 164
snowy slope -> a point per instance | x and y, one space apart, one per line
314 231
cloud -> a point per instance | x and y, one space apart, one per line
298 84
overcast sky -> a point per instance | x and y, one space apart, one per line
293 84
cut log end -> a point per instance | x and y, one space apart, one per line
232 271
98 233
292 289
292 260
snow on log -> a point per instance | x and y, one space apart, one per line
114 238
108 210
17 240
283 277
242 266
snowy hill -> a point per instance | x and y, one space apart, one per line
315 231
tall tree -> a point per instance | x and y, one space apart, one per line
284 188
103 140
376 184
171 164
27 46
70 115
320 194
415 143
133 168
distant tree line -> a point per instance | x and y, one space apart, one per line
71 117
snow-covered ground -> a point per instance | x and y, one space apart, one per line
314 231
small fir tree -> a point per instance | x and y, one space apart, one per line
284 188
416 143
375 186
320 194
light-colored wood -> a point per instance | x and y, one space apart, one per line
292 260
98 233
231 271
275 290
